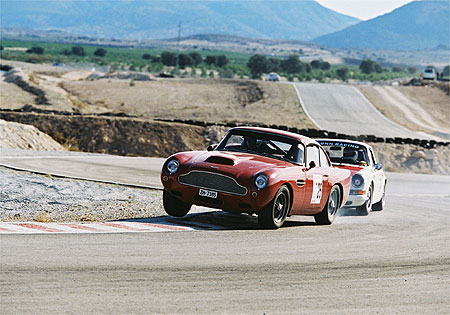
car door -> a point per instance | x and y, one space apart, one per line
314 174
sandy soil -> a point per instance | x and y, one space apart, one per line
421 108
199 99
20 136
11 96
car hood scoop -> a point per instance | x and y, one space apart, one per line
219 160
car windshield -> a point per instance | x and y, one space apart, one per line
341 152
264 144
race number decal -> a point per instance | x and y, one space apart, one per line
317 189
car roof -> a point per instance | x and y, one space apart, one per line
346 141
305 140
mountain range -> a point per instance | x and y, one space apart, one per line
296 20
417 25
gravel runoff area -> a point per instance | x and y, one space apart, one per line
29 197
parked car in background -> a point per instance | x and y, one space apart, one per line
272 77
429 73
268 172
368 188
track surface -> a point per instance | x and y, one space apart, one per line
394 261
342 108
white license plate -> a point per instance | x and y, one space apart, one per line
208 193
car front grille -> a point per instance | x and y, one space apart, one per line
213 181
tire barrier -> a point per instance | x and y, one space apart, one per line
315 133
312 133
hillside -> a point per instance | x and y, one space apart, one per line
417 25
299 20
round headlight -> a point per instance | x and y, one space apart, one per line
357 180
172 166
261 181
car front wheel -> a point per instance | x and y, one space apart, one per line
380 204
367 206
329 212
275 213
175 207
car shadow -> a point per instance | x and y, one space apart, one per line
350 212
215 220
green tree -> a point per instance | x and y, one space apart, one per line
342 73
316 64
257 65
412 70
210 60
397 69
196 58
35 50
184 60
446 71
325 65
100 52
78 51
146 56
292 64
274 65
168 58
221 61
368 66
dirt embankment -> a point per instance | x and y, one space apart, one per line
121 136
20 136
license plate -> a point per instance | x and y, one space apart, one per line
208 193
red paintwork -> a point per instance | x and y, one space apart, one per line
246 166
352 168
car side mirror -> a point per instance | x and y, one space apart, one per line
378 166
211 147
312 164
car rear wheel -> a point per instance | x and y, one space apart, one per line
174 206
367 206
329 212
275 213
380 204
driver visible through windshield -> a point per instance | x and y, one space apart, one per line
345 153
277 147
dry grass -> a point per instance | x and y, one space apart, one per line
199 99
42 217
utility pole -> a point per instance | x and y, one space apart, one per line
178 44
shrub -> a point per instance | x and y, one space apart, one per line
100 52
257 65
35 50
397 69
196 58
168 58
412 70
211 74
184 60
78 51
146 56
342 73
221 61
210 60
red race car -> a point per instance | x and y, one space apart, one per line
271 173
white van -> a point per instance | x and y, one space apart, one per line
429 74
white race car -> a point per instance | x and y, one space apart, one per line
368 188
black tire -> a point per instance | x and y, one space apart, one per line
379 206
275 213
366 208
175 207
330 211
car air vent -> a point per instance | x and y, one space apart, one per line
220 160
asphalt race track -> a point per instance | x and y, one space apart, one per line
342 108
393 261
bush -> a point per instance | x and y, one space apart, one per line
78 51
397 69
226 74
292 64
342 73
35 50
325 65
204 74
221 61
316 64
100 52
369 66
412 70
146 56
211 74
184 60
258 65
168 58
196 58
210 60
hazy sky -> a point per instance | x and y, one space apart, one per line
363 9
